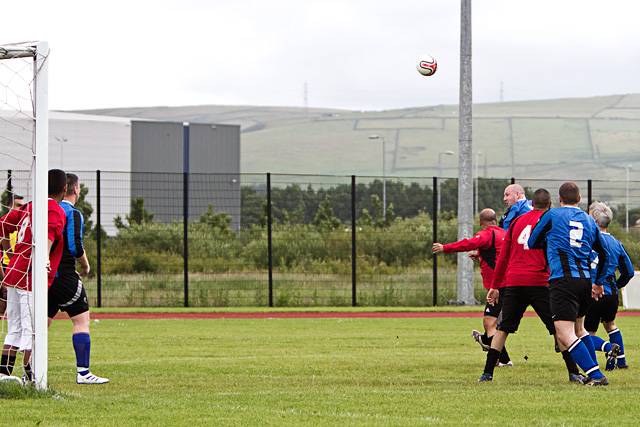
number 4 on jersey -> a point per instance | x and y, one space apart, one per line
523 238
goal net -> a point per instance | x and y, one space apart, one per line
23 169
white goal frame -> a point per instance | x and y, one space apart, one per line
39 51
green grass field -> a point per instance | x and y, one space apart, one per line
319 372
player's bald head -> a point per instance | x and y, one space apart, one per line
488 217
512 194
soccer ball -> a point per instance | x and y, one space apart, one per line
427 65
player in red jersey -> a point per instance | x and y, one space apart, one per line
487 242
521 279
18 279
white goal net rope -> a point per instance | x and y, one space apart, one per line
18 160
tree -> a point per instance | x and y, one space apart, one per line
324 218
217 221
85 208
138 215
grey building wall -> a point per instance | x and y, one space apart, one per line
214 164
157 165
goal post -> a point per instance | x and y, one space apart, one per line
24 109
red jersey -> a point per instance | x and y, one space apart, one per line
488 242
518 265
18 273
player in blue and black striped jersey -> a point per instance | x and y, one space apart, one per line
605 309
67 292
517 204
568 236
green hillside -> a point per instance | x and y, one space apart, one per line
575 138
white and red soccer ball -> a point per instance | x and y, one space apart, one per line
427 65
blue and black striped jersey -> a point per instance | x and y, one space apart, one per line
520 207
617 259
568 235
73 231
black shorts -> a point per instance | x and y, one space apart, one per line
603 310
516 299
493 310
67 294
570 298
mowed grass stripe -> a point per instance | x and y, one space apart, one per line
320 372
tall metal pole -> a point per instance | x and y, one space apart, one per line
465 183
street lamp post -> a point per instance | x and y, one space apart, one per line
626 203
442 153
384 174
61 140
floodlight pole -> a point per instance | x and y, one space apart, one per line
465 181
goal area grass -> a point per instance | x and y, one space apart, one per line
380 372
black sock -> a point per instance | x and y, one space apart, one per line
572 368
27 371
492 358
6 364
504 356
486 339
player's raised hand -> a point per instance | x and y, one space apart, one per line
437 248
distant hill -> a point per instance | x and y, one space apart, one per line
574 138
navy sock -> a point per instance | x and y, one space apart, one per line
504 356
586 339
82 347
600 344
615 336
572 368
580 354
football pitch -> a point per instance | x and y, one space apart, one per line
345 371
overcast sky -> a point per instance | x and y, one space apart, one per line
357 54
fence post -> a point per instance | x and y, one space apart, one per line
434 221
589 193
9 183
513 180
185 235
269 239
98 241
354 301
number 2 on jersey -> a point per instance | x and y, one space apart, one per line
523 238
575 234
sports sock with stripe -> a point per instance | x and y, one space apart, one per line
82 347
586 339
580 354
615 336
600 344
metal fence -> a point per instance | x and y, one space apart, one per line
161 239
